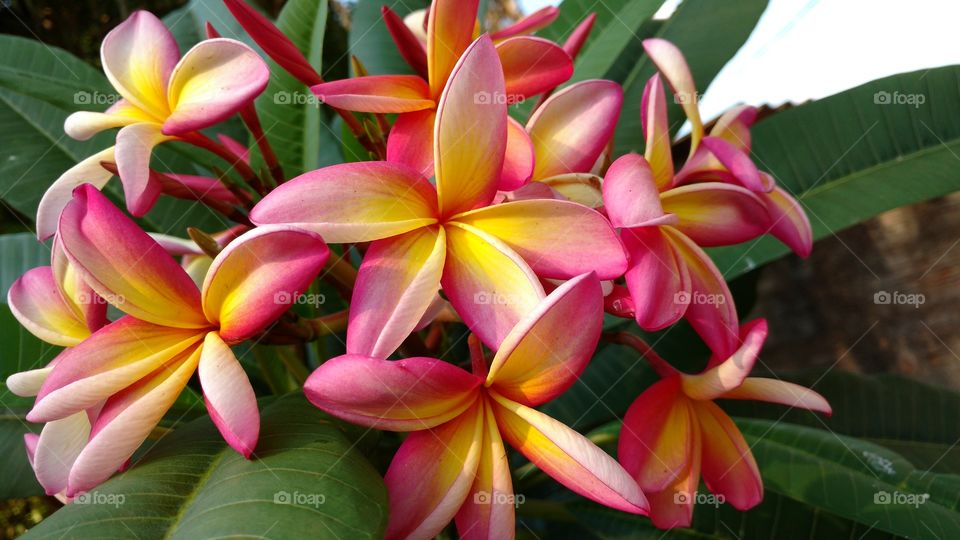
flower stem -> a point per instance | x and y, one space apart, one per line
661 366
252 120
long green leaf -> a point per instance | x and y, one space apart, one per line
371 42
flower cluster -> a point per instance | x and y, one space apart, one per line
463 215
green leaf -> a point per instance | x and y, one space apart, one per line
188 24
371 42
849 157
304 481
573 12
615 49
709 34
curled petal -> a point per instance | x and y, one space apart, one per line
529 24
352 202
256 278
134 146
37 303
409 45
229 397
658 279
790 223
138 57
737 163
28 383
60 442
377 94
579 36
488 512
431 475
656 132
397 395
470 136
397 282
717 214
88 171
125 266
568 457
411 141
449 33
518 160
728 465
673 66
572 128
87 305
540 358
729 374
581 188
488 284
782 392
84 125
532 66
733 126
630 194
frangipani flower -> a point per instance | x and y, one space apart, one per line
674 432
487 257
411 31
140 363
454 464
530 66
56 305
723 155
164 97
669 275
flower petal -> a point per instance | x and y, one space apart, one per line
83 125
28 383
377 94
37 303
134 146
397 395
352 202
571 129
716 214
470 136
731 373
579 35
256 278
671 63
658 279
60 442
431 475
88 171
673 507
449 33
790 223
782 392
138 57
728 465
229 397
529 24
630 194
396 283
409 45
738 163
532 66
214 80
568 457
581 188
558 239
411 141
88 307
488 512
125 266
110 360
540 358
518 160
127 419
656 132
488 284
710 308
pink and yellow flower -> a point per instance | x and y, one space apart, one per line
487 257
164 97
139 364
674 432
454 464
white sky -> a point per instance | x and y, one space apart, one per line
804 49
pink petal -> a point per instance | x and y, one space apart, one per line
258 276
568 457
411 141
449 33
352 202
738 163
729 374
60 442
671 63
229 397
86 304
37 303
529 24
790 223
532 66
397 395
518 160
377 94
410 47
630 194
656 132
728 465
579 36
716 214
673 507
471 130
212 82
581 188
658 279
397 281
782 392
28 383
236 147
540 358
124 265
134 146
593 108
88 171
432 474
